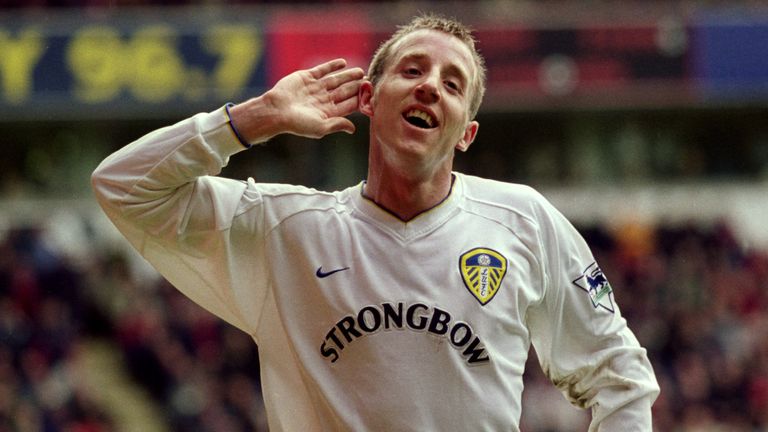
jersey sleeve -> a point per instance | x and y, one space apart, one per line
583 343
202 233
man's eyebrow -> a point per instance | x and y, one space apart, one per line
417 55
453 68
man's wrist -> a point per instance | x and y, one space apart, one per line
237 133
253 121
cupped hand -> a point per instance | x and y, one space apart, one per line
314 102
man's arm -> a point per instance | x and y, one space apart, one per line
200 231
582 341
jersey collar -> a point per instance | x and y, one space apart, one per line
421 224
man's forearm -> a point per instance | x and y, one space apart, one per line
136 182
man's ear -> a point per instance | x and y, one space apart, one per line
365 98
469 135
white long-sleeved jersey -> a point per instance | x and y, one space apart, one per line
366 322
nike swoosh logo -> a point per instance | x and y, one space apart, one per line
321 274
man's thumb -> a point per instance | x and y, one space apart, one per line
341 124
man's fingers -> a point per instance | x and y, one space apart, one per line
346 106
324 69
347 76
345 91
317 105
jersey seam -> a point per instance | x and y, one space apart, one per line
297 212
270 277
495 220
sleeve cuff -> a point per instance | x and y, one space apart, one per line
239 137
218 133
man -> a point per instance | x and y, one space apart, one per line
406 302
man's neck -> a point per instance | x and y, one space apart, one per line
407 197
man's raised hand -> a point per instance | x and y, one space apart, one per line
311 103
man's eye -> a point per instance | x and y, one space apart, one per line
452 85
412 71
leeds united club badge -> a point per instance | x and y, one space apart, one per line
482 271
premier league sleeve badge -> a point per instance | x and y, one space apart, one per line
594 282
482 270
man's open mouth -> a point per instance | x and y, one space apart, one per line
420 119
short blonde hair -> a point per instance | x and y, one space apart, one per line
445 25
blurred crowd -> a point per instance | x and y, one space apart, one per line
44 316
699 303
694 297
202 373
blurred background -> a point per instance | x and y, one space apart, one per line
645 122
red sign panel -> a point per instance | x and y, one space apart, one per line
299 40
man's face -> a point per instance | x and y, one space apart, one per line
419 109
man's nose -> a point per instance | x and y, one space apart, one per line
428 91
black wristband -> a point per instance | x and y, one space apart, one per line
234 130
